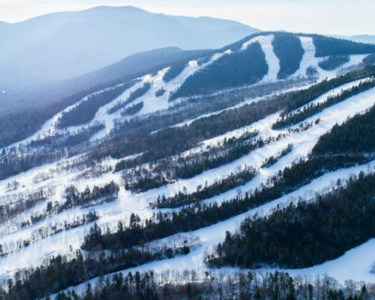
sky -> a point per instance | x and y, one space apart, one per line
336 17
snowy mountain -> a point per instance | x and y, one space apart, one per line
65 45
257 59
188 174
369 39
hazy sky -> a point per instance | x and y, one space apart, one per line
344 17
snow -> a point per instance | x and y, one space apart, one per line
271 59
246 101
334 92
355 264
151 102
119 210
212 235
309 60
111 213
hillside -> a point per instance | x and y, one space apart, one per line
178 179
65 45
369 39
256 60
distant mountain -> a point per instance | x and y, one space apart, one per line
65 45
369 39
130 67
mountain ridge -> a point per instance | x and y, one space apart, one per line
69 44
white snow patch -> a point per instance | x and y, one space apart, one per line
272 60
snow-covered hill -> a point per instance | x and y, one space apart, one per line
41 223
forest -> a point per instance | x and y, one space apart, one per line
323 229
334 62
229 71
327 46
62 272
18 125
356 135
289 51
160 92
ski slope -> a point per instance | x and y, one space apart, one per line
127 203
355 264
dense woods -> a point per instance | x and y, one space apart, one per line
323 229
356 135
289 51
229 71
333 62
327 46
19 125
